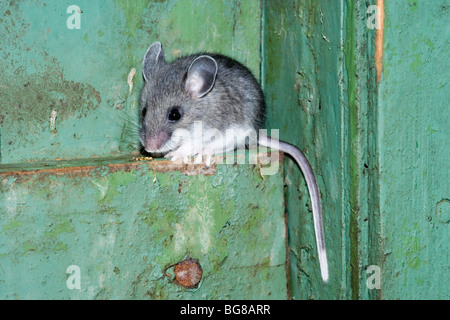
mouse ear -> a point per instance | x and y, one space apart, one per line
153 57
201 76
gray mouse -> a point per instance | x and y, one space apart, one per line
185 103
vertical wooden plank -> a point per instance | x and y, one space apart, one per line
413 144
304 86
363 185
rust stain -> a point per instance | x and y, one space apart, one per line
69 167
161 166
188 273
379 40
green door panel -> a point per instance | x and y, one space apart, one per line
126 224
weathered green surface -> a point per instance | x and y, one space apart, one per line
119 227
414 152
82 73
123 230
399 151
379 150
302 77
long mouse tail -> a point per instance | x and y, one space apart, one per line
313 189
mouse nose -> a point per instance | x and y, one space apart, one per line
153 143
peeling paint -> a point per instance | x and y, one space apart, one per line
70 191
49 67
113 218
301 81
133 13
443 211
413 150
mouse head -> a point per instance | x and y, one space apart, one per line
175 95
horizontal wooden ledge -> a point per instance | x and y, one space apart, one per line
135 161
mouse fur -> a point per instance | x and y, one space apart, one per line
235 99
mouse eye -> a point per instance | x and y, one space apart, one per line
144 112
175 114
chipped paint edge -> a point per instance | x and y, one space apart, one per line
379 41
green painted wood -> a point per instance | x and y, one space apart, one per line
399 151
414 149
386 144
122 229
363 184
82 73
379 151
304 87
125 230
